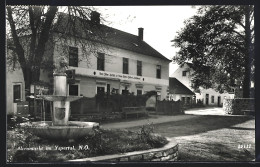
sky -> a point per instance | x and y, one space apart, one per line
160 23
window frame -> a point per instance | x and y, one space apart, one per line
183 99
158 71
139 91
212 99
139 67
73 56
100 86
125 65
101 61
184 73
21 96
70 89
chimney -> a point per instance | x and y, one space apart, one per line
140 33
95 17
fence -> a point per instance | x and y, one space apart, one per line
84 106
169 107
110 103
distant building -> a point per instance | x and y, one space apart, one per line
178 91
206 96
127 65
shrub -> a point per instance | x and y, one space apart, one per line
146 135
13 121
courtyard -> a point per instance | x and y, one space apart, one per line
204 137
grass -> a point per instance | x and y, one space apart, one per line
101 142
228 144
212 138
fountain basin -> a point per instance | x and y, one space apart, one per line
73 130
60 98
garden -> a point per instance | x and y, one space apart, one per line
23 146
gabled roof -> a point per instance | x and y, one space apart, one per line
111 36
176 87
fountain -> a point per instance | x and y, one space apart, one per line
60 127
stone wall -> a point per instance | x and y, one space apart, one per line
167 153
236 106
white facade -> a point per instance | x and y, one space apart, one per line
16 79
207 96
89 79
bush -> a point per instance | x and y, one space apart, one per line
146 136
116 101
13 121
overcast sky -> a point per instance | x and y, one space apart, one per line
160 24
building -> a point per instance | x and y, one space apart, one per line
124 63
206 96
178 91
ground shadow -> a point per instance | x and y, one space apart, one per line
198 124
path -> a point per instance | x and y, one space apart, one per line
157 119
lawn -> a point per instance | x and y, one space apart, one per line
212 138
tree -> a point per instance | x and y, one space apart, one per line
219 41
31 37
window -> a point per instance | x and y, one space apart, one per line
125 65
139 92
139 68
17 93
207 99
183 99
100 90
74 90
101 61
158 71
184 73
158 96
108 89
188 100
212 99
125 90
73 56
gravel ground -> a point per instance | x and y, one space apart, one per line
236 143
212 137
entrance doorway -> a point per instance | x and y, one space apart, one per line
219 100
207 99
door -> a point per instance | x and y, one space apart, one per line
219 100
207 99
17 96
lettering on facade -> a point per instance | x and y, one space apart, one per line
119 76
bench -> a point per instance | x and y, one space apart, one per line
248 112
134 110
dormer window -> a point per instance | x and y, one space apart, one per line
135 44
